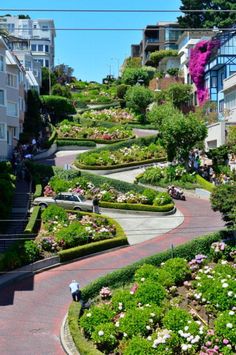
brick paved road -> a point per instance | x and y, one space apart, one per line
32 310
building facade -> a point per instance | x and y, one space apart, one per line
40 34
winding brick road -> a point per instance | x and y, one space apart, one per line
32 309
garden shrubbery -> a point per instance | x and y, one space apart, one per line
7 186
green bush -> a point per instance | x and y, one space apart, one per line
162 199
137 207
33 222
104 336
72 235
59 185
94 316
178 268
123 300
38 191
32 251
223 330
58 107
152 273
150 292
139 346
176 319
54 214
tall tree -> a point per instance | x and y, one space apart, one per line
63 73
33 122
207 19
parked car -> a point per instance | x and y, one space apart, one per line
67 200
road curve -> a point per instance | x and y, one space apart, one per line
32 309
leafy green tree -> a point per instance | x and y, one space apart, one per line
131 76
58 107
207 19
63 74
157 56
231 138
130 62
180 134
45 81
59 90
223 199
138 98
179 94
33 122
158 113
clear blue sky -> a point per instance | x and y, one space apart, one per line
94 54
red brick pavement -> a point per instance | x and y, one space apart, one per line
32 310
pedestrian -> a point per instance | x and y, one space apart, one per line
75 291
96 205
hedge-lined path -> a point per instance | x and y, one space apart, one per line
35 307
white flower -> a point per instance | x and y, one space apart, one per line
229 325
184 347
125 335
117 324
149 338
224 262
150 320
148 327
152 314
143 279
101 333
89 314
231 313
230 293
186 328
225 285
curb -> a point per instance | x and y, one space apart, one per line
66 339
147 213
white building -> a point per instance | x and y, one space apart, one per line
40 34
12 100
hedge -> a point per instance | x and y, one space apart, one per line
38 191
33 222
99 141
136 207
51 139
80 143
118 166
204 183
125 275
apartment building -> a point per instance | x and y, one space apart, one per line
40 34
163 35
12 100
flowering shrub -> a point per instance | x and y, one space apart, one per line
197 262
110 115
218 250
104 336
150 292
54 217
199 56
105 293
178 268
150 272
142 345
48 244
48 191
225 328
96 316
123 300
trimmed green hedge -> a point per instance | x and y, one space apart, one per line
51 139
204 183
136 207
117 166
81 143
33 222
125 275
99 141
38 191
95 247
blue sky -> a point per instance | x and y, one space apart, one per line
94 54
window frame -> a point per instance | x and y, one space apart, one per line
17 109
4 97
5 131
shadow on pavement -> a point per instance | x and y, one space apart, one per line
7 291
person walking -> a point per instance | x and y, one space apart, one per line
96 205
75 291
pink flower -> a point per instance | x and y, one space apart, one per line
225 341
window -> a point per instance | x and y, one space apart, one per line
2 97
15 132
3 131
45 28
214 82
12 80
33 47
12 109
221 106
1 63
40 61
46 48
46 63
40 48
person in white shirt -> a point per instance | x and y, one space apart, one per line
75 291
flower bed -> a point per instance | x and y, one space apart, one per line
110 115
173 309
171 175
74 131
125 156
111 197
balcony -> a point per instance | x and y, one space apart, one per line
151 44
230 83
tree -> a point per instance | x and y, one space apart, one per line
231 137
157 56
63 74
207 19
33 122
180 134
59 90
158 113
130 62
179 94
44 90
223 199
58 107
138 98
131 76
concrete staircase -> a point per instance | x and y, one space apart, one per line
18 218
